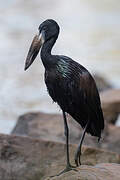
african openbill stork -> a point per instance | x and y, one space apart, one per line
69 84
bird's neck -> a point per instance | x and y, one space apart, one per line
46 55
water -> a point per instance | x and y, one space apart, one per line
90 34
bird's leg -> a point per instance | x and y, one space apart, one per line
78 152
69 167
66 132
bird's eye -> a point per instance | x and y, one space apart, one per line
44 28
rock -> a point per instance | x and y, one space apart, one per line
100 172
101 83
112 140
111 104
51 127
25 158
42 125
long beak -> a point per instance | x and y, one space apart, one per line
37 42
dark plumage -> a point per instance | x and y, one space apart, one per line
70 85
73 88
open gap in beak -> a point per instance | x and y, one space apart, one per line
36 44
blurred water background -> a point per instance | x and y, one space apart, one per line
90 34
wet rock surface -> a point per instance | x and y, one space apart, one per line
24 158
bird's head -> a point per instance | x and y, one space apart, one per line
47 30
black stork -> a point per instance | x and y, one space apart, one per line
69 84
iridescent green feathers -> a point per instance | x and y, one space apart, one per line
73 88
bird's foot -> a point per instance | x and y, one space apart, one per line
77 158
69 167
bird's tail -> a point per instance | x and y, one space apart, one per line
96 124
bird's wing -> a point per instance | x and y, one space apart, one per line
84 98
80 96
